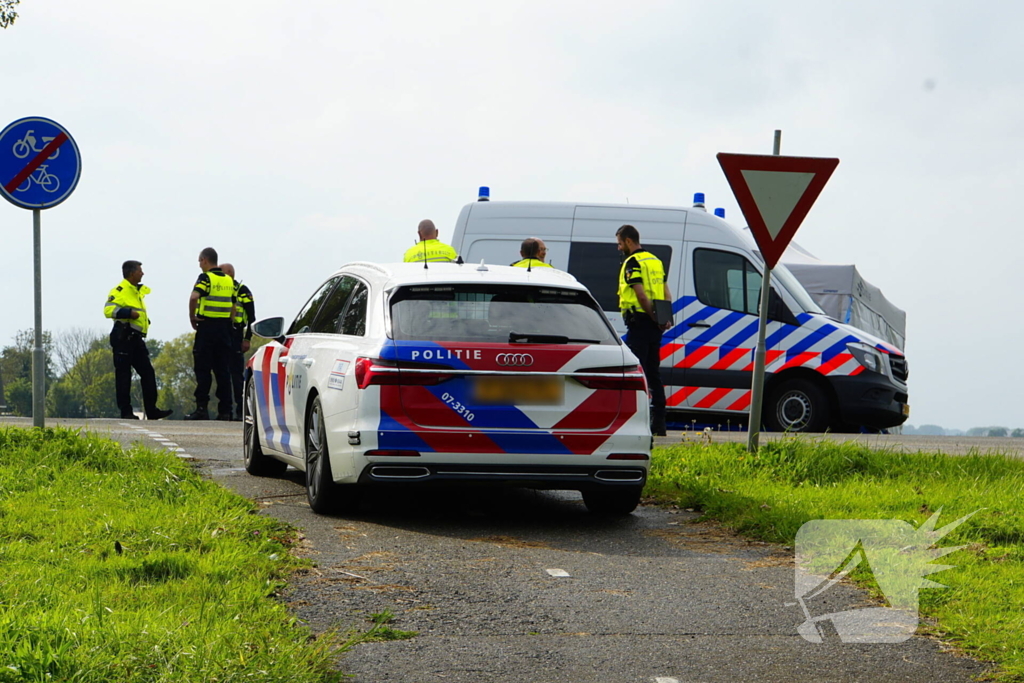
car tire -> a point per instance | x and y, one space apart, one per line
323 494
619 501
798 406
256 462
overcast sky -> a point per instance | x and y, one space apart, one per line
295 137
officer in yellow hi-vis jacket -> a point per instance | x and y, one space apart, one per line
211 308
128 340
532 251
429 248
641 282
241 337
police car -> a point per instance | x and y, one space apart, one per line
451 374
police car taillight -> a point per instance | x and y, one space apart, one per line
629 378
376 372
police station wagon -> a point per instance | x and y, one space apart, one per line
457 373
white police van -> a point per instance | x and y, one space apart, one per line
820 373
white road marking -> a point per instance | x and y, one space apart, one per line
665 679
561 573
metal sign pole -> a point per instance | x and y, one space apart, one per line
38 357
757 382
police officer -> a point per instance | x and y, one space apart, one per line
211 310
429 248
241 336
128 340
641 282
532 252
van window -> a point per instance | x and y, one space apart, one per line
489 313
597 264
726 280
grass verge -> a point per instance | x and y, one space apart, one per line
770 495
124 566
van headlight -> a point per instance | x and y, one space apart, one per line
866 355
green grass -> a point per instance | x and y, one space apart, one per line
770 495
120 566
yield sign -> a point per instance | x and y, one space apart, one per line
775 193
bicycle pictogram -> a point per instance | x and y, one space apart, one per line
26 145
47 181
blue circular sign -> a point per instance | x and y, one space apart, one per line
39 163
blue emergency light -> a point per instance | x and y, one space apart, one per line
698 200
484 194
720 212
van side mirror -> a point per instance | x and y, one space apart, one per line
269 328
778 310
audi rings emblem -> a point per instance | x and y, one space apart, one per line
522 360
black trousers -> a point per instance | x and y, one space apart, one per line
237 365
211 353
130 352
643 337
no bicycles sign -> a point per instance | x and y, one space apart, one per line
39 163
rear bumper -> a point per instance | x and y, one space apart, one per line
871 400
576 477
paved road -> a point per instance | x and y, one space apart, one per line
527 586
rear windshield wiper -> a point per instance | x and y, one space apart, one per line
531 337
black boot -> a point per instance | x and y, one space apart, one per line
200 413
157 414
658 427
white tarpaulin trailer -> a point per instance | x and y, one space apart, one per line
846 296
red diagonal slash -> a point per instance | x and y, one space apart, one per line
37 160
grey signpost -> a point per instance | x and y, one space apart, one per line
774 193
39 168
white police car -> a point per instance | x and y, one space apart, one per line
457 373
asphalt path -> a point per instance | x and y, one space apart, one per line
527 586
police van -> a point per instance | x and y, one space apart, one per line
821 374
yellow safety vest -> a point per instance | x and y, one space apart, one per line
432 251
651 274
128 296
241 316
219 301
531 263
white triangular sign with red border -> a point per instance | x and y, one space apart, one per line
775 193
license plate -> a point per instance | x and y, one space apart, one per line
534 391
906 409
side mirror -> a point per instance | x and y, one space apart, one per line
269 328
777 310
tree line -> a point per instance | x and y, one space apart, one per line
80 374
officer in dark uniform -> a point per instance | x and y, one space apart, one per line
128 340
211 308
241 336
641 282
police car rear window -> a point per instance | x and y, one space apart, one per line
490 313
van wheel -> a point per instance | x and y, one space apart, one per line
798 406
617 501
323 494
257 463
